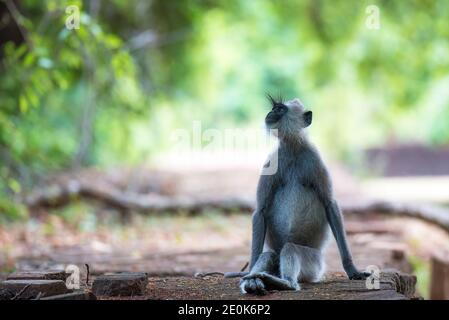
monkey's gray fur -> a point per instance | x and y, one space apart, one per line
295 211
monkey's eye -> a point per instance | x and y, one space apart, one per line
279 108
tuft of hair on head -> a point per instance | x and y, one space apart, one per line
273 101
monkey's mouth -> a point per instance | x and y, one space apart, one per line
272 119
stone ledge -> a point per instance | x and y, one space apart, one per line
394 285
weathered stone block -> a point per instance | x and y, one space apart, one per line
403 282
77 295
120 284
39 275
6 294
30 289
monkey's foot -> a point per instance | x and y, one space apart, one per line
252 286
265 282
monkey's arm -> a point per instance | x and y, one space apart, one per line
257 242
322 184
265 191
258 237
335 220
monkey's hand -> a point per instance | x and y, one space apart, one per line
353 273
357 275
261 282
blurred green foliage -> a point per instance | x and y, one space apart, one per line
112 90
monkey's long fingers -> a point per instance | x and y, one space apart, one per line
260 287
275 283
360 276
249 286
271 282
253 286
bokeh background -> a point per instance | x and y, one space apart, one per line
100 103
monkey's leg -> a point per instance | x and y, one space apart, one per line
267 262
263 276
300 263
312 264
270 282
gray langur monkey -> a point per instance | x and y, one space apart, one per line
295 208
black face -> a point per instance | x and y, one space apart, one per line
276 113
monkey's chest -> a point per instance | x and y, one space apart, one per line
297 216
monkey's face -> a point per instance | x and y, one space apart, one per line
288 117
279 109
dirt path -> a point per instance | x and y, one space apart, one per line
172 249
183 246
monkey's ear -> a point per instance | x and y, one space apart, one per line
308 118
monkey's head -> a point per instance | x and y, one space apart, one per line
289 117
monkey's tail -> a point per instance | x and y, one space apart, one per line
226 274
235 274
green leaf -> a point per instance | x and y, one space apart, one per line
23 104
14 185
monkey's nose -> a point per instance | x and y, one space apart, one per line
271 118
